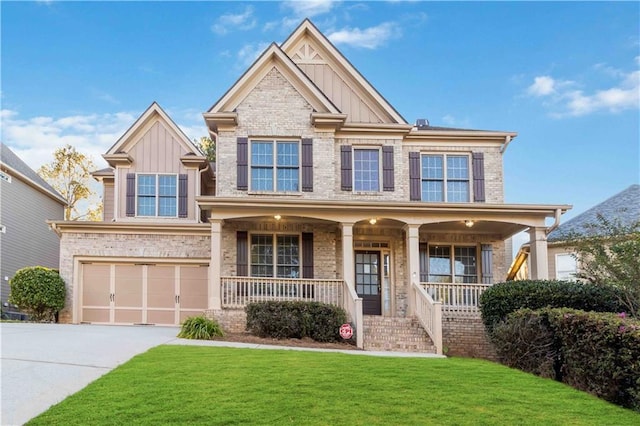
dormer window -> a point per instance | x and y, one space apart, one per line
275 166
157 195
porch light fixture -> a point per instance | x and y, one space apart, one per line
277 217
373 221
469 223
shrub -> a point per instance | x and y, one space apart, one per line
200 328
38 291
283 320
526 341
503 298
601 354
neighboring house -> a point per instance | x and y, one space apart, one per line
322 191
26 203
622 208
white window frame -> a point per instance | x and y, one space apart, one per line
5 177
445 178
274 240
157 195
571 276
274 165
452 264
353 167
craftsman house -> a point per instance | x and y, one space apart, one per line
321 191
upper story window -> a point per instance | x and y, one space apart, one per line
445 178
157 195
366 169
275 256
275 166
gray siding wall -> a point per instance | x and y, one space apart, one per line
27 240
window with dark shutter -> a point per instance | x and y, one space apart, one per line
131 194
388 180
242 254
307 165
182 195
487 263
345 168
478 177
242 164
414 176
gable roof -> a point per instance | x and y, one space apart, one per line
623 207
272 57
154 110
307 31
20 170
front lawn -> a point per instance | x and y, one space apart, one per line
207 385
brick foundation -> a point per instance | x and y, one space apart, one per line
466 337
231 320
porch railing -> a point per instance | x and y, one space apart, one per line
237 292
352 304
429 313
458 299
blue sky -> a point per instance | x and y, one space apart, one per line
565 76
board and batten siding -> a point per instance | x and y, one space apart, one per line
157 151
108 200
27 240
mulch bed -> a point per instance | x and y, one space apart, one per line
300 343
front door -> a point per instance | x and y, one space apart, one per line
368 282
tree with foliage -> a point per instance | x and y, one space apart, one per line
609 254
207 146
70 174
38 291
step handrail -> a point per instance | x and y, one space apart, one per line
429 314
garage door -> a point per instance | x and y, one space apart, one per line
142 294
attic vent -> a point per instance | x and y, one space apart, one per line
422 123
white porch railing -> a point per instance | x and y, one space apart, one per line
457 299
429 313
237 292
353 305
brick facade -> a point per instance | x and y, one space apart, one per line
466 337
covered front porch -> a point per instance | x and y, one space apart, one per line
388 259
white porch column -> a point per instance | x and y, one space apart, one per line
348 262
412 233
215 265
539 259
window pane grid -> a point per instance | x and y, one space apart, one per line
366 167
462 268
275 170
450 185
287 258
156 195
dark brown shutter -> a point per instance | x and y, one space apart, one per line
345 168
478 177
388 180
424 263
307 255
415 194
243 164
182 195
131 194
487 264
242 254
307 165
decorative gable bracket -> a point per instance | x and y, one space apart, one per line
118 159
194 161
221 121
328 120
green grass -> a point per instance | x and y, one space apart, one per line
206 385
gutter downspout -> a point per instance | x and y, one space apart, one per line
507 141
556 223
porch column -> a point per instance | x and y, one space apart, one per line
412 233
348 263
539 259
215 265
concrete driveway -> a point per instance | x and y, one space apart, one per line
42 364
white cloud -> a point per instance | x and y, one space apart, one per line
34 139
368 38
452 121
308 9
566 100
242 21
250 52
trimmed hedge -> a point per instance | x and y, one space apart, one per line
594 352
38 291
285 320
501 299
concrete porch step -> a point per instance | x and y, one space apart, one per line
395 334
